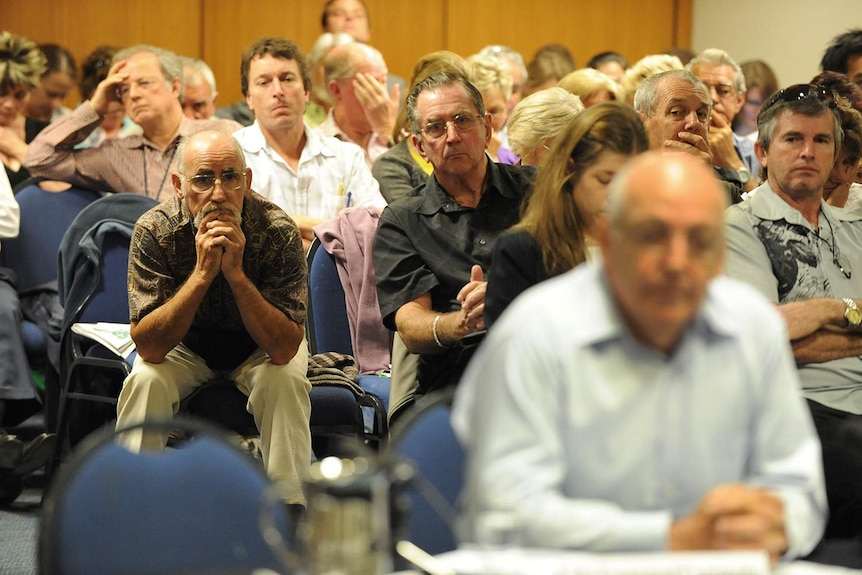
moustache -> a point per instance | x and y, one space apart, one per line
227 209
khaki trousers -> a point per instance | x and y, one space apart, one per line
277 398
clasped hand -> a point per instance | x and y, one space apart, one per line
220 244
734 517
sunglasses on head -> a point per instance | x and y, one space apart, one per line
799 92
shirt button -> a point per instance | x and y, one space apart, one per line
482 242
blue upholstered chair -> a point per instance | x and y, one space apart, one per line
190 509
45 217
328 330
425 438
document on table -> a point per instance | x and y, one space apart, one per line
485 561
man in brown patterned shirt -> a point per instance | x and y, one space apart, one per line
217 285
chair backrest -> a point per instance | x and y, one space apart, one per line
94 255
45 217
328 327
426 438
192 509
109 300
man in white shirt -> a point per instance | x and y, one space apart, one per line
310 176
645 403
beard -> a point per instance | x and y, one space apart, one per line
223 208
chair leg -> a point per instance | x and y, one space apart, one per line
61 431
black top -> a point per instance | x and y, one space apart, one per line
517 266
31 130
426 242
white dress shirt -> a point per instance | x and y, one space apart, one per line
590 440
332 175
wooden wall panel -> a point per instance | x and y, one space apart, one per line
407 31
230 26
219 30
82 25
634 28
404 31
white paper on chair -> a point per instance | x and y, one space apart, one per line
114 336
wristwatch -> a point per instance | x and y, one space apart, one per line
743 174
852 313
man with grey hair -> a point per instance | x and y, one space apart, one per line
675 107
199 89
362 112
806 257
217 287
148 81
684 376
434 246
514 63
732 155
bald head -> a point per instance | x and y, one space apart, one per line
665 243
212 175
655 174
346 60
207 141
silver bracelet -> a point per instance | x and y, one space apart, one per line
434 333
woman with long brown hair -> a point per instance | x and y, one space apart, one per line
567 200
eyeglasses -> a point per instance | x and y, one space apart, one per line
229 180
463 122
799 92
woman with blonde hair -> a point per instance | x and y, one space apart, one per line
401 169
494 81
21 66
538 120
591 86
567 201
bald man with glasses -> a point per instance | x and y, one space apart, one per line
433 247
806 257
217 288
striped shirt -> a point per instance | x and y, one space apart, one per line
131 164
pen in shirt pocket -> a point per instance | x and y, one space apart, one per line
349 197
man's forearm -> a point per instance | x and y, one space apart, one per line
810 316
417 323
162 329
269 327
51 154
826 345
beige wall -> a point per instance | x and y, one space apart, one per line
790 35
219 30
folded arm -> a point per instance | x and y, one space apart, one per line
818 331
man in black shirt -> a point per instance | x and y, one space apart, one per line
434 245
